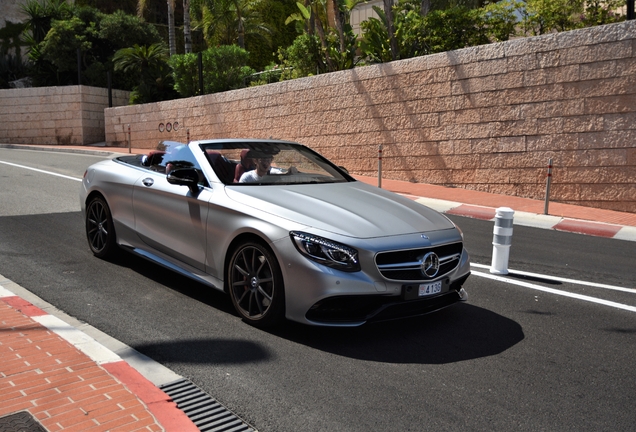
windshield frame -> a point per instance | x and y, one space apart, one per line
225 155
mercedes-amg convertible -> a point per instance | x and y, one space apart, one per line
282 230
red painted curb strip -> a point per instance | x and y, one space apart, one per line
159 403
23 306
589 228
484 213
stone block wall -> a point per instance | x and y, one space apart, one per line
486 118
72 115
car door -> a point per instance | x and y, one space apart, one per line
170 218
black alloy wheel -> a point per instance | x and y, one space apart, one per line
100 230
255 283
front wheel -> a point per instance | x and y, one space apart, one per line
255 284
100 229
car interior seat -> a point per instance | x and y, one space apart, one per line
223 168
246 164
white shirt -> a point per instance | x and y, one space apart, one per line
253 177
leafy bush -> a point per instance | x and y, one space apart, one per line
97 35
303 58
224 68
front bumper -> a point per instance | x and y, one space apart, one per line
318 295
352 310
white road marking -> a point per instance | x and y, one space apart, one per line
556 292
560 279
42 171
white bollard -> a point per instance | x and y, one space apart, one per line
501 240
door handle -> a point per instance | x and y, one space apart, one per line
148 182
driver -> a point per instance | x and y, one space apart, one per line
263 168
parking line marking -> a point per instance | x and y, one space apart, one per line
566 280
557 292
41 171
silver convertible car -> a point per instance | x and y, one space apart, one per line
285 232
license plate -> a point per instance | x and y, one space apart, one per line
430 289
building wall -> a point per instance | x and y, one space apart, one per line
363 12
10 11
486 118
72 115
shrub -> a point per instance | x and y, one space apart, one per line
224 68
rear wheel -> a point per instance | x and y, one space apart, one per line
255 283
100 229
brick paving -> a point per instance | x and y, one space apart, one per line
60 386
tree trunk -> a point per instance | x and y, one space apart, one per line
171 35
187 34
388 11
241 28
337 17
425 8
323 41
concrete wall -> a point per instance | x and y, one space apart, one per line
55 115
486 118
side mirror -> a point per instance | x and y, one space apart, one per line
185 177
343 168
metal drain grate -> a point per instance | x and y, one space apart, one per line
20 422
204 411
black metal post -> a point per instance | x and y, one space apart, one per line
110 89
79 67
630 9
200 73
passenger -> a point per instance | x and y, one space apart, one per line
245 165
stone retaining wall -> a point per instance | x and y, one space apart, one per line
72 115
486 118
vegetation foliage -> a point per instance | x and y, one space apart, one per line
286 39
224 68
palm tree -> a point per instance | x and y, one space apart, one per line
40 13
228 22
149 63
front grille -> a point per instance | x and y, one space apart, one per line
406 265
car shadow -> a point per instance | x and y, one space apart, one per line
210 351
175 281
460 332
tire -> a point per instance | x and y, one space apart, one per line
100 230
255 284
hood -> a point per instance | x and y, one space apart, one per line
350 209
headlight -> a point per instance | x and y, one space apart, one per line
326 252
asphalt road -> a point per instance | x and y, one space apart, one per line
512 358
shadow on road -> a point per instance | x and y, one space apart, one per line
461 332
206 351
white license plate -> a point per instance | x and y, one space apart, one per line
430 289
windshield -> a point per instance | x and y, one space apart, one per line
258 163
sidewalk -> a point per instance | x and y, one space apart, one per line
54 377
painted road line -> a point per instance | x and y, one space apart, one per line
557 292
41 171
566 280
